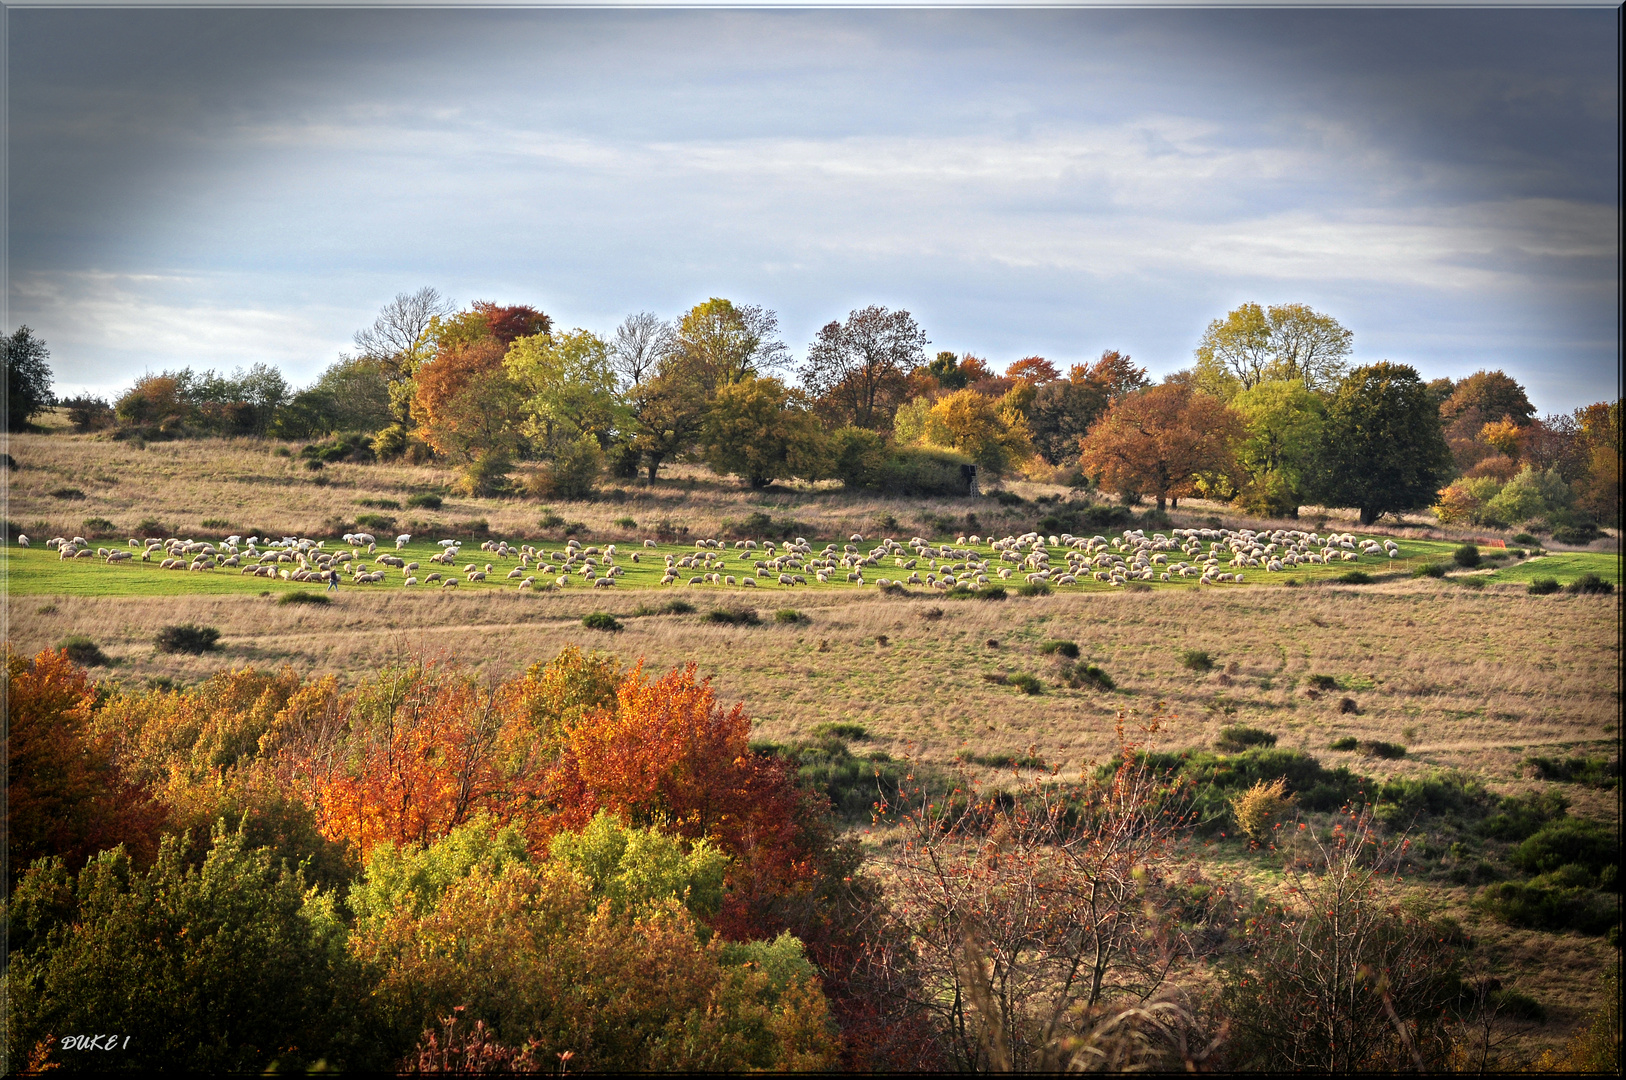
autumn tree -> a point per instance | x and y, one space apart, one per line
1485 397
669 414
640 342
1381 447
400 339
1286 341
757 430
67 794
1160 441
722 343
1034 370
1600 427
1114 374
858 371
975 425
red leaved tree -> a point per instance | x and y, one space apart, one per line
1161 441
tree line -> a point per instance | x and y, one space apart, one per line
1270 415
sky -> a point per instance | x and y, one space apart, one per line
216 188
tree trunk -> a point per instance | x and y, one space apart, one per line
1368 515
1161 502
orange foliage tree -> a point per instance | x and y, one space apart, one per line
1161 440
65 795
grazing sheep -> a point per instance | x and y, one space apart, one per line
749 582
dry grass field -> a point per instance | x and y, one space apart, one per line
1469 679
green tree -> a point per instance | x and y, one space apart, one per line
569 385
28 377
227 966
1286 341
1381 447
669 413
756 430
1283 420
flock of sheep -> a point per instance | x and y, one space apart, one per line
1212 556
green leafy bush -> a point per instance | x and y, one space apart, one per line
1568 841
1577 535
789 615
601 620
841 729
83 651
1078 674
1466 556
1196 660
1543 586
1524 538
1590 583
1068 649
1348 742
924 471
1355 577
376 522
187 638
1598 772
1543 904
734 616
425 500
1034 588
1323 682
1240 737
1026 683
1380 749
1524 815
316 598
1433 570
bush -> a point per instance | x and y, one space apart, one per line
316 598
1261 806
1380 749
426 500
1577 535
1433 570
1196 660
1323 682
858 459
1007 498
1025 683
1034 588
735 616
1355 577
1238 738
1472 583
1543 586
187 638
1524 816
1078 675
150 527
841 729
1348 742
789 615
1547 905
601 620
573 473
67 493
992 592
84 652
1466 556
1595 772
98 528
376 522
921 471
1524 538
625 523
1068 649
350 446
1568 841
1590 583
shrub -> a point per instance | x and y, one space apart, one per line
1380 749
316 598
625 523
1079 674
841 729
1008 498
1466 556
67 493
998 678
1590 583
1034 588
735 616
1238 738
376 522
992 592
1591 771
1568 841
1068 649
1323 682
1547 905
1433 570
187 638
858 459
1262 805
789 615
550 520
351 446
425 500
1578 535
671 607
150 527
215 523
84 652
1472 583
1196 660
97 527
920 470
1524 816
379 504
1525 539
1025 683
1543 586
573 473
601 620
1355 577
1348 742
1347 705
